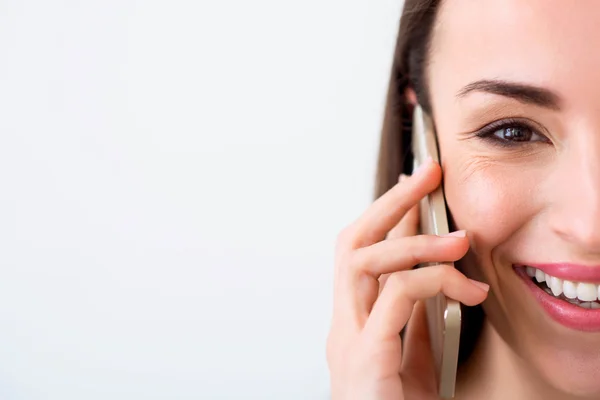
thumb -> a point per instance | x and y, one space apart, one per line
418 369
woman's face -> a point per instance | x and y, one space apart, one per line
515 93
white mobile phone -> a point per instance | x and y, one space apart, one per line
443 314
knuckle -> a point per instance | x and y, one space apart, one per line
397 280
346 263
343 253
418 246
413 258
374 357
382 354
356 261
444 271
344 237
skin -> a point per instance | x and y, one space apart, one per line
376 292
537 201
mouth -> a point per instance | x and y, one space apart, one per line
582 294
573 304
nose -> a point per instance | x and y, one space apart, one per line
576 213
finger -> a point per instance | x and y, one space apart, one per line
409 223
389 209
382 280
408 226
388 256
369 263
399 254
395 304
417 358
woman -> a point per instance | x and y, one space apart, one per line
513 89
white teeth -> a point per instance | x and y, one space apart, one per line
587 292
569 289
540 276
578 293
556 284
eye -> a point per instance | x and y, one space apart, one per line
511 133
516 133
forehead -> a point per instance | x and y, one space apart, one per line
552 43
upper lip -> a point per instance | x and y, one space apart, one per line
568 271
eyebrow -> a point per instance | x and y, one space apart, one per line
524 93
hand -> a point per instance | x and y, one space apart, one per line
376 292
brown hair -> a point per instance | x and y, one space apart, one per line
409 71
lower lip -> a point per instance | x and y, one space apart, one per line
566 314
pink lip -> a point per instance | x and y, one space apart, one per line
565 313
571 272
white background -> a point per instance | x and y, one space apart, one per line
173 175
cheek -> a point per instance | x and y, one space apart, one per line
489 200
492 202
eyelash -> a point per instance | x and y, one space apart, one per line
487 133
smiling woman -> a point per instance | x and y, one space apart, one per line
511 88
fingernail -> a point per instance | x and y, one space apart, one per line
423 167
402 177
459 234
480 285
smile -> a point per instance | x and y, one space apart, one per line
571 302
582 294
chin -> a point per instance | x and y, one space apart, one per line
568 371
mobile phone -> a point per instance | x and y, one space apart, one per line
443 314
